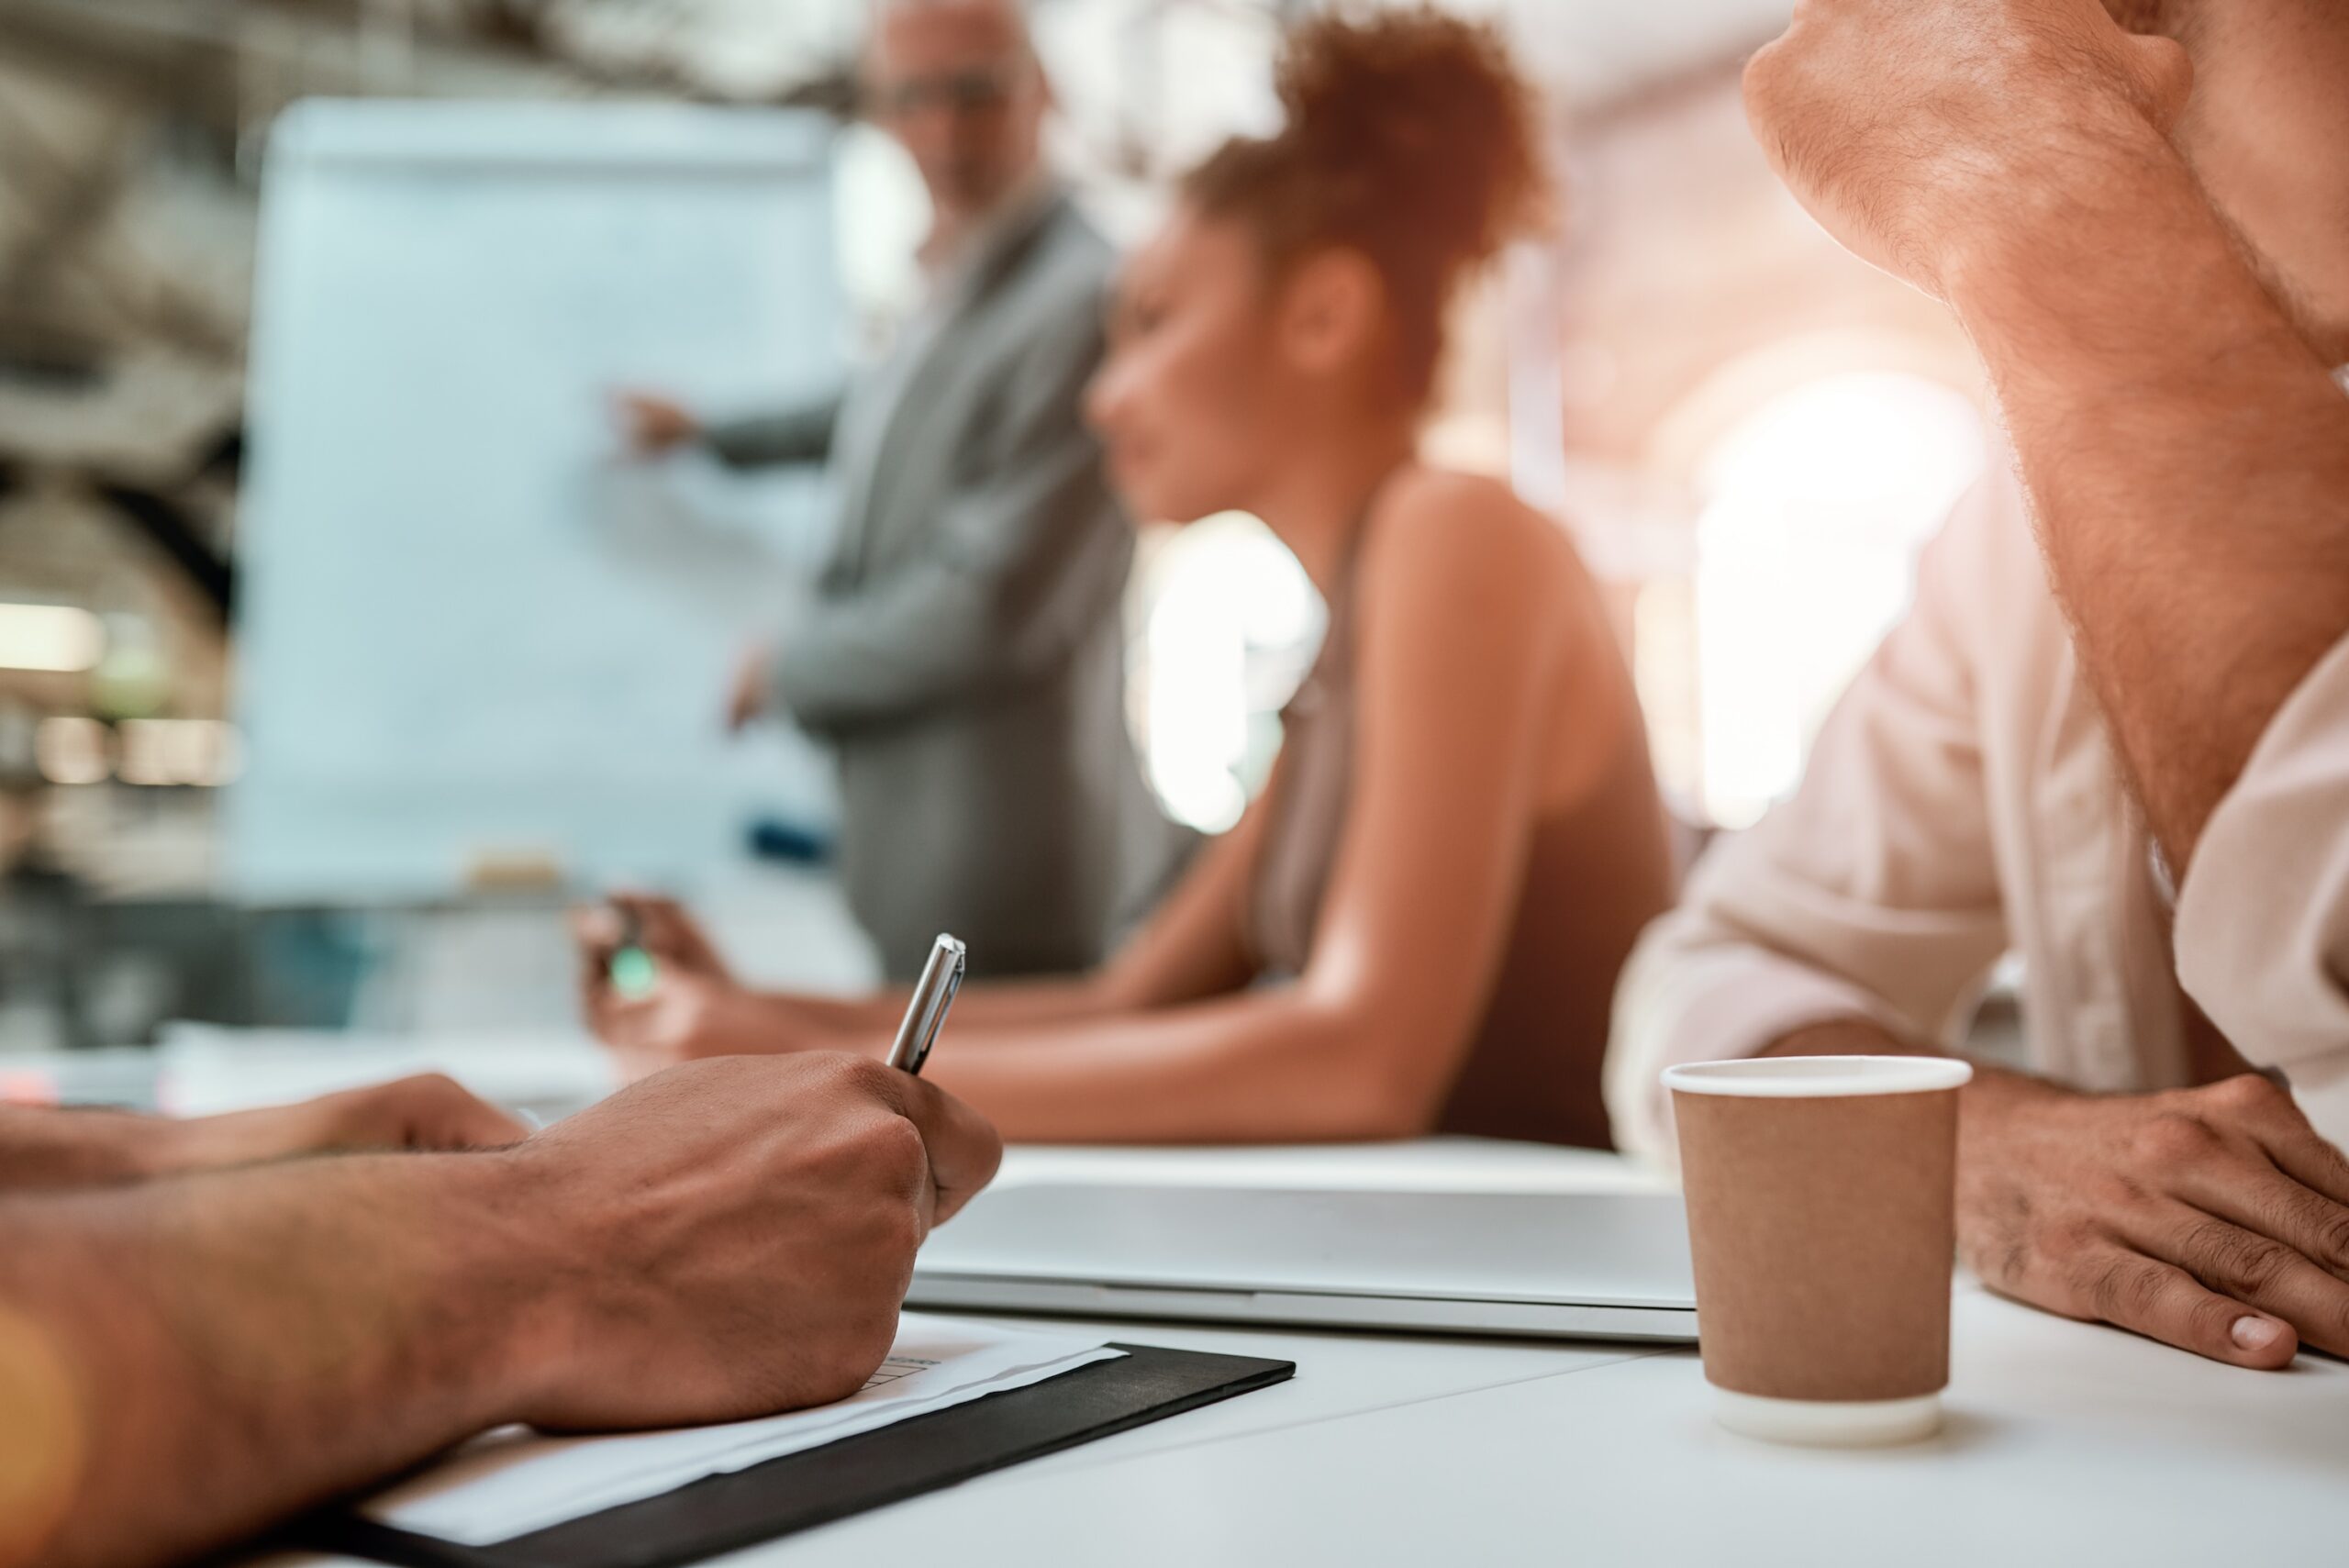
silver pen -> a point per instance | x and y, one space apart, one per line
933 994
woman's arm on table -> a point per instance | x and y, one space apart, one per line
1459 688
1189 949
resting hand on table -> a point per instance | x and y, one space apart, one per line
1915 131
428 1111
2214 1219
733 1238
51 1147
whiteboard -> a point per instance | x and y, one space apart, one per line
468 631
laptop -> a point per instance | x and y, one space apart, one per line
1581 1265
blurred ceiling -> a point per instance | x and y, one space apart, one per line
1595 52
132 129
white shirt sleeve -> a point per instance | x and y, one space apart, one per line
2263 914
1872 893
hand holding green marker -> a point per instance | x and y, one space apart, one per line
633 972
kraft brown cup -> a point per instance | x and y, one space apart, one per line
1821 1194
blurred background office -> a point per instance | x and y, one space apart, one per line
1749 433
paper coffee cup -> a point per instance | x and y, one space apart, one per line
1821 1194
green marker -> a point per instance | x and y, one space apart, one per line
633 972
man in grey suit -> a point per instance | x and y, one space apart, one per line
961 650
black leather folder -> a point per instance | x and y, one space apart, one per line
725 1513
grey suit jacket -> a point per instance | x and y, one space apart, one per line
962 650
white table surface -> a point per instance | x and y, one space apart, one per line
1423 1164
2067 1443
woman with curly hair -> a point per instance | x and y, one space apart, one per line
1419 927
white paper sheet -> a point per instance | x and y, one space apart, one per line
204 1069
513 1481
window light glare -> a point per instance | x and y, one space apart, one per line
72 751
50 639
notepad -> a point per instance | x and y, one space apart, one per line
513 1481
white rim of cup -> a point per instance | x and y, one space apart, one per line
1819 1077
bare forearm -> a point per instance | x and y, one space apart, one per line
1008 1002
237 1347
1265 1067
71 1147
2188 455
752 1022
1991 1086
1846 1037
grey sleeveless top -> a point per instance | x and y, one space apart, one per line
1596 874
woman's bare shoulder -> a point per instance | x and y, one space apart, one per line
1437 525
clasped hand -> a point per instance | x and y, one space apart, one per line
1919 133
